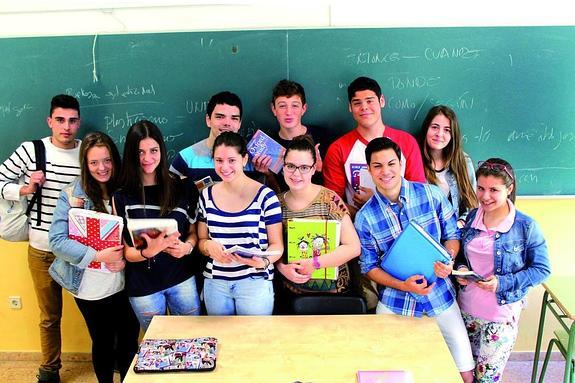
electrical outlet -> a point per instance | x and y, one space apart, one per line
15 302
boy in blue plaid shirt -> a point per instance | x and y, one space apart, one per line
382 219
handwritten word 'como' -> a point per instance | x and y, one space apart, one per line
16 110
554 137
123 122
451 53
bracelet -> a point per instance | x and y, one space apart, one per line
142 254
266 264
316 264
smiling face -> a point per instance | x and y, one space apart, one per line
298 179
438 133
385 169
365 107
100 164
150 155
229 163
64 124
224 118
289 111
492 193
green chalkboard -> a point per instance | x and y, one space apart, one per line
512 87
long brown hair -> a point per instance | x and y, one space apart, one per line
453 155
131 178
91 187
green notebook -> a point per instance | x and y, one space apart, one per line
309 237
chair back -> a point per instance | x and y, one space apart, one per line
329 305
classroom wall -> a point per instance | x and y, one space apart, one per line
41 18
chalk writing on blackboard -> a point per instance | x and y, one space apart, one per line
196 106
451 53
413 82
12 109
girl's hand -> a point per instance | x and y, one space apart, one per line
257 262
462 281
306 266
116 266
489 285
442 270
111 254
216 251
160 243
292 272
179 249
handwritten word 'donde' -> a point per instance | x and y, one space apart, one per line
451 53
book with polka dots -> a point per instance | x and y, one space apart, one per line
94 229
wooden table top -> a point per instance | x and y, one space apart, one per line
562 290
318 349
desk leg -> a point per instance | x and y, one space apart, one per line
539 337
569 373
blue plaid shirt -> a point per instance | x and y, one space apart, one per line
379 222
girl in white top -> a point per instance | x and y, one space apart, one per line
444 161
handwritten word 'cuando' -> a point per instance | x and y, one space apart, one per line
451 53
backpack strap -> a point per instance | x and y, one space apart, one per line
40 156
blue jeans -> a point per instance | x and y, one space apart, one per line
181 299
248 296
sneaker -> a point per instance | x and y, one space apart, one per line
45 376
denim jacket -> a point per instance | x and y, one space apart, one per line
72 257
520 257
454 190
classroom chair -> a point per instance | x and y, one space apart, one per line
328 305
561 339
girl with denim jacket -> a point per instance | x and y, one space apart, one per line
100 295
507 248
444 161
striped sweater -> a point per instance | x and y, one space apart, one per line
62 167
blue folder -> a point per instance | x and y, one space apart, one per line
414 252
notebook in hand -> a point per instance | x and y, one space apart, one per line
172 355
97 230
414 252
261 143
153 227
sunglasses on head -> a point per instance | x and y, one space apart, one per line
495 166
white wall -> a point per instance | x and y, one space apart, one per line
67 17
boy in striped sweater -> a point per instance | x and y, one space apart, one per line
62 166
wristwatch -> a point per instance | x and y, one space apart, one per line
316 264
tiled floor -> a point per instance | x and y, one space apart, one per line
81 372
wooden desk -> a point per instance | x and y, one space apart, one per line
318 349
560 300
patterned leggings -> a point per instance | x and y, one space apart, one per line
491 345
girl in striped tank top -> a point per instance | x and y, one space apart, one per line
238 211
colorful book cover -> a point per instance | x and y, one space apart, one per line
313 237
153 227
384 377
94 229
261 143
195 354
414 252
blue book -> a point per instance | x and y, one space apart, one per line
261 143
414 252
